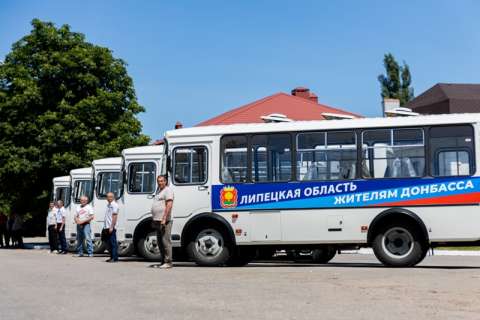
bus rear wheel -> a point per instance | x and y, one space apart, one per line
208 247
399 244
98 246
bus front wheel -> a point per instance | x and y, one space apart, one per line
208 247
399 244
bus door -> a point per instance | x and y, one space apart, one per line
189 179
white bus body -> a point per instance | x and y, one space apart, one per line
81 185
399 185
108 178
141 166
61 191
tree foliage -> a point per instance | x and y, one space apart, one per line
63 103
396 83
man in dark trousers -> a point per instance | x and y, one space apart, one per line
3 230
110 226
60 215
52 227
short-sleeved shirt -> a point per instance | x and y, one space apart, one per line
60 214
112 208
159 201
51 218
83 213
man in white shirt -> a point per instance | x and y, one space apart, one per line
83 216
109 226
52 227
60 215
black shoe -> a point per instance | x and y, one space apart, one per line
64 252
111 261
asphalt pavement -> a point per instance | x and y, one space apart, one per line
35 284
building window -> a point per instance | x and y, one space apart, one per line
234 159
451 151
271 157
190 165
326 155
393 153
141 177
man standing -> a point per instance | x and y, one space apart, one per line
60 215
17 230
52 227
162 220
109 226
83 217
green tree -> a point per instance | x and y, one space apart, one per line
63 103
395 84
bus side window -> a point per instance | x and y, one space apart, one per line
190 165
108 182
141 177
451 151
326 155
234 159
271 157
393 153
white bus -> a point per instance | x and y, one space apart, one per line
141 165
62 191
398 185
81 185
107 175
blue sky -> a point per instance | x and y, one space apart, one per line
191 60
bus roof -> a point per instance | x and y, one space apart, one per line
81 171
61 179
107 161
143 150
325 125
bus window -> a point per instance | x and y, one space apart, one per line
451 151
63 193
234 159
326 155
271 157
108 182
141 177
190 165
82 188
393 153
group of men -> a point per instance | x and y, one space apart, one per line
161 217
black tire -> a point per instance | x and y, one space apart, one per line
72 245
241 257
147 246
98 246
209 246
399 244
323 254
125 249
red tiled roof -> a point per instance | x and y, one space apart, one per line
293 107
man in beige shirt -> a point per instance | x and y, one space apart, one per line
162 220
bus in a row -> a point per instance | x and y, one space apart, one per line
398 185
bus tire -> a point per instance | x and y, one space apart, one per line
399 244
125 249
209 246
323 254
98 246
147 246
